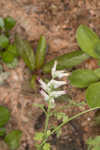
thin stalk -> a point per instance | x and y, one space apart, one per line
75 116
62 124
46 126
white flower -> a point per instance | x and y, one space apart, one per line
57 73
46 96
54 69
61 74
56 84
44 86
56 94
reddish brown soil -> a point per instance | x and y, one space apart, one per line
58 21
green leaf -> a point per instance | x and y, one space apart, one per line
9 23
87 40
3 41
93 95
66 61
97 48
82 78
13 139
98 62
12 49
8 57
4 116
2 24
40 52
13 64
26 52
46 146
2 131
39 136
97 72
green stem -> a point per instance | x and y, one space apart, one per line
47 119
77 115
46 126
62 124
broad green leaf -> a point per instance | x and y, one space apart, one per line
8 57
3 41
97 147
13 139
66 61
82 78
2 24
39 136
93 95
40 52
4 116
2 131
97 48
26 52
12 49
9 23
87 40
97 72
98 62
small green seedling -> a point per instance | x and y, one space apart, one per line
8 51
12 138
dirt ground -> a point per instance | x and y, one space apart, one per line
58 21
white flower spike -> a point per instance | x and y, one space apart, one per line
49 91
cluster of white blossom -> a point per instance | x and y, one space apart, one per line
49 89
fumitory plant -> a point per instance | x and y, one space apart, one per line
50 93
